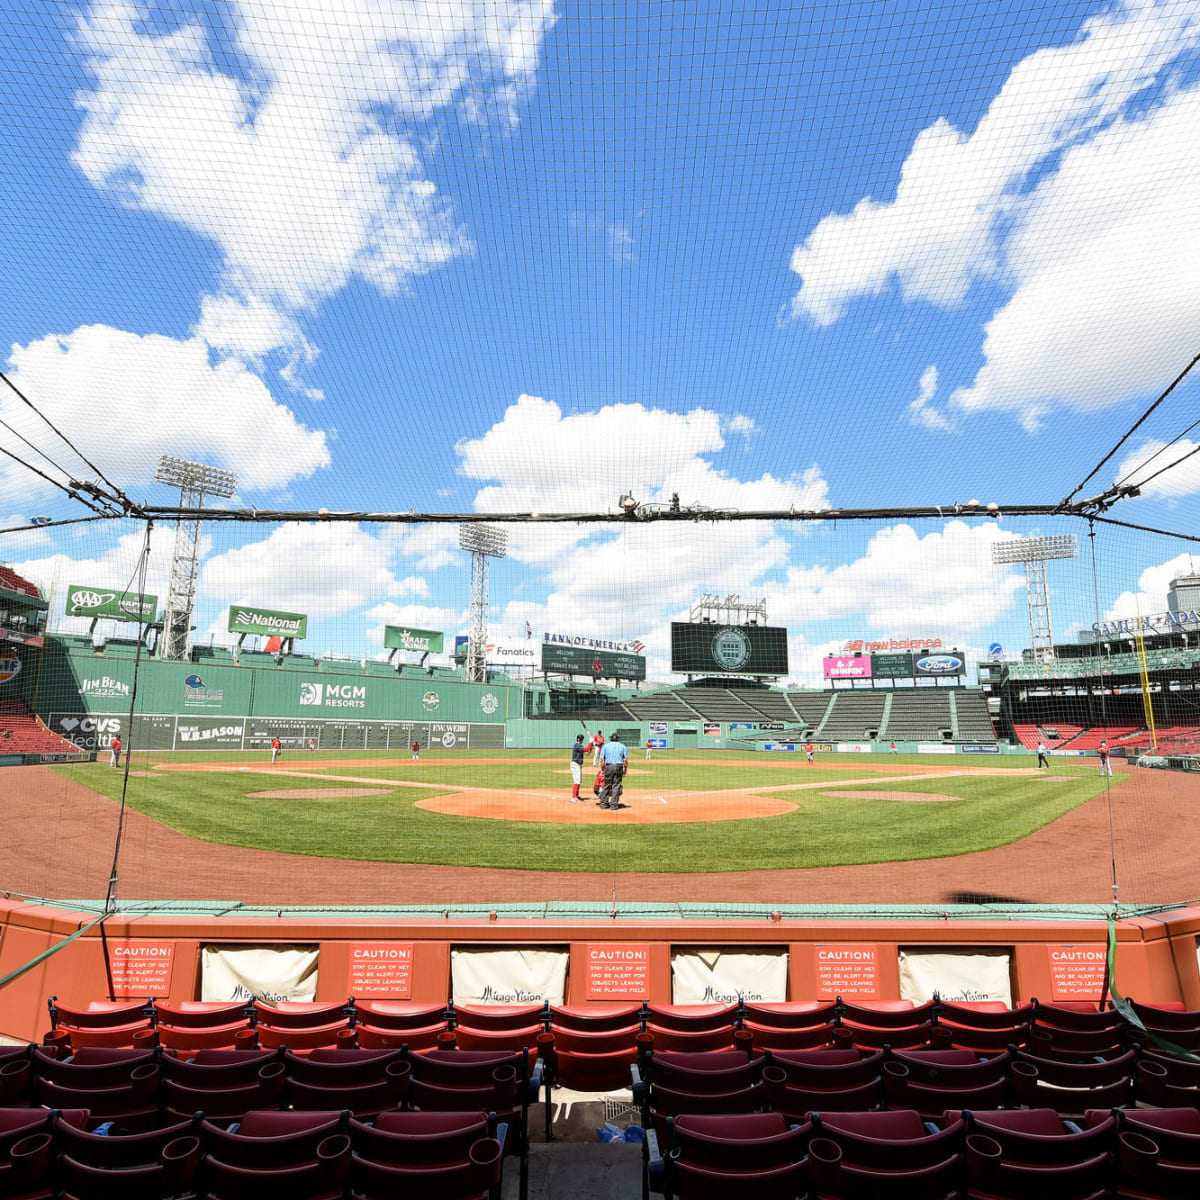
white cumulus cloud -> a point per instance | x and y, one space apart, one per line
1179 463
942 229
130 398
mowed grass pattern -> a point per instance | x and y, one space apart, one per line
988 811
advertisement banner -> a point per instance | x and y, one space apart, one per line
508 976
208 733
658 728
979 748
848 970
854 747
617 970
419 641
245 619
658 743
381 970
113 603
10 668
704 649
712 729
843 667
503 653
935 748
271 973
740 725
939 665
893 665
726 977
21 637
955 977
779 746
600 664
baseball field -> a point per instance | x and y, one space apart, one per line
683 812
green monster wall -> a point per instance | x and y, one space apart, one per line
86 697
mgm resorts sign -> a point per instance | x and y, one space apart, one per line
244 619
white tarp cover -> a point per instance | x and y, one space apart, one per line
512 976
722 976
955 975
258 972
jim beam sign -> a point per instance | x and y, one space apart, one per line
247 619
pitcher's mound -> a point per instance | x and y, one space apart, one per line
641 807
325 793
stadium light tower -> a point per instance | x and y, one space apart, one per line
1035 552
194 481
482 542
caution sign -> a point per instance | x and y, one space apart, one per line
141 969
617 970
849 970
1077 972
381 970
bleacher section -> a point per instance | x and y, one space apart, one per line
22 733
917 714
972 720
853 714
810 707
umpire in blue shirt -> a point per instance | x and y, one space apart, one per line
615 758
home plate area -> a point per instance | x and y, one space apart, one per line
640 807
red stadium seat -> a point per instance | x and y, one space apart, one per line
202 1026
691 1028
973 1027
388 1025
797 1083
896 1023
300 1026
112 1084
932 1081
156 1162
1071 1087
16 1074
367 1082
223 1084
102 1024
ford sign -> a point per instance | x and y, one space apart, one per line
939 664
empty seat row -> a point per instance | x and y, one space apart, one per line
1143 1154
302 1156
793 1083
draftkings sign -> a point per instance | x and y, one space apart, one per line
419 641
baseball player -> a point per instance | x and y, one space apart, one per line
276 747
577 769
649 748
416 751
1105 765
312 743
597 745
616 761
1043 761
808 750
115 746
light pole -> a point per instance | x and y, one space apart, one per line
1035 552
482 542
194 481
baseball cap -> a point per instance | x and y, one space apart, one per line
616 737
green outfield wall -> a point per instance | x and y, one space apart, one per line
86 698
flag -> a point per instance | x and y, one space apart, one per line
274 645
528 630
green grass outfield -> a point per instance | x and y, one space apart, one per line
823 831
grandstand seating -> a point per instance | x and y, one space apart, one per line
918 714
854 714
973 722
1056 1120
23 733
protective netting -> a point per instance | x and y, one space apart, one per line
731 285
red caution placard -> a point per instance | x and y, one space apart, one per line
381 970
617 970
141 969
848 970
1077 972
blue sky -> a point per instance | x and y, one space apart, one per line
513 254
